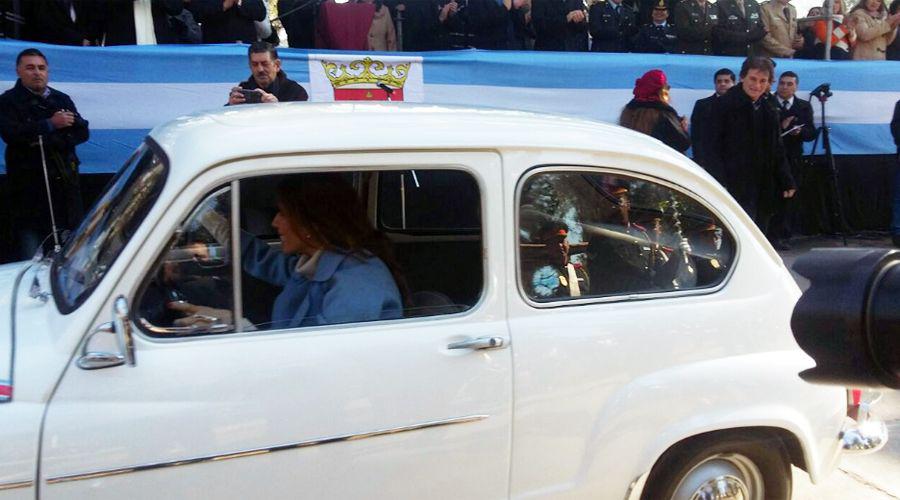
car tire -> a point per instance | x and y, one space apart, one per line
748 467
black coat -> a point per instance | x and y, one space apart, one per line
737 33
552 31
793 144
48 21
701 129
480 24
232 25
748 155
666 126
612 31
115 19
285 89
299 23
23 117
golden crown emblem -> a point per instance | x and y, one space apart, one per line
366 71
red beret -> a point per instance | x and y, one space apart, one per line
647 87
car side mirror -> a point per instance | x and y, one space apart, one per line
849 318
121 328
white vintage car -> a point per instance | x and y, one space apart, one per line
588 315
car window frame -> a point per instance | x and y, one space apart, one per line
625 296
230 179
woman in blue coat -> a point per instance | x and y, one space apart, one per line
333 267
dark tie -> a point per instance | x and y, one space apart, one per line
787 13
784 105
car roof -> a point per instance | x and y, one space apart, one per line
196 141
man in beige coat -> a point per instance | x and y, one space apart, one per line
780 19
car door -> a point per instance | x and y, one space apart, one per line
382 409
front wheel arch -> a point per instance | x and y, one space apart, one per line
775 449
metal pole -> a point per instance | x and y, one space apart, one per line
56 245
829 14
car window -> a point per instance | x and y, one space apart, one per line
195 270
310 255
591 234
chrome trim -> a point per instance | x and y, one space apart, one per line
236 284
15 485
261 451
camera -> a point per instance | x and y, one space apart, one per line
251 96
823 91
848 320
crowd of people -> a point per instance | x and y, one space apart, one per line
748 138
867 31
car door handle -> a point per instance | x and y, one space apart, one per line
479 343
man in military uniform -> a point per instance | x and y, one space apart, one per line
658 37
739 28
612 25
551 274
694 23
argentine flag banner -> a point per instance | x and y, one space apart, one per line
126 91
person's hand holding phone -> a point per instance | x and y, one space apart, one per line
236 96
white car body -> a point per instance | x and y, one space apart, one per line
580 402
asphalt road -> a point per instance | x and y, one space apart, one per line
858 477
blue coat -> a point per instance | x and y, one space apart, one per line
345 288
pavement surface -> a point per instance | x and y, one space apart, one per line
858 477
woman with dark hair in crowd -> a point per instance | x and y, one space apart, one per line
806 30
649 112
843 33
875 29
334 267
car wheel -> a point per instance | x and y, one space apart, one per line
735 467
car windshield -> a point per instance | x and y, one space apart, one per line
105 231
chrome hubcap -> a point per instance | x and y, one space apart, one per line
725 476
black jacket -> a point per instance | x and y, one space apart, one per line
285 89
612 31
748 155
24 116
701 129
479 24
652 39
895 126
115 19
666 127
793 144
737 33
232 25
694 26
49 22
552 31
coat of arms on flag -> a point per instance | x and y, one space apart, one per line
366 78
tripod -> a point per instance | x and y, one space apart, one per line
822 93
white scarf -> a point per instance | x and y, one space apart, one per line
144 33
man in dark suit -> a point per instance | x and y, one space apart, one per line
797 126
559 25
228 21
701 118
60 22
748 155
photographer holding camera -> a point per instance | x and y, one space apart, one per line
267 83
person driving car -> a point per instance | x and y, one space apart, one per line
333 266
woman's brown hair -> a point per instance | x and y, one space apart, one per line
326 209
